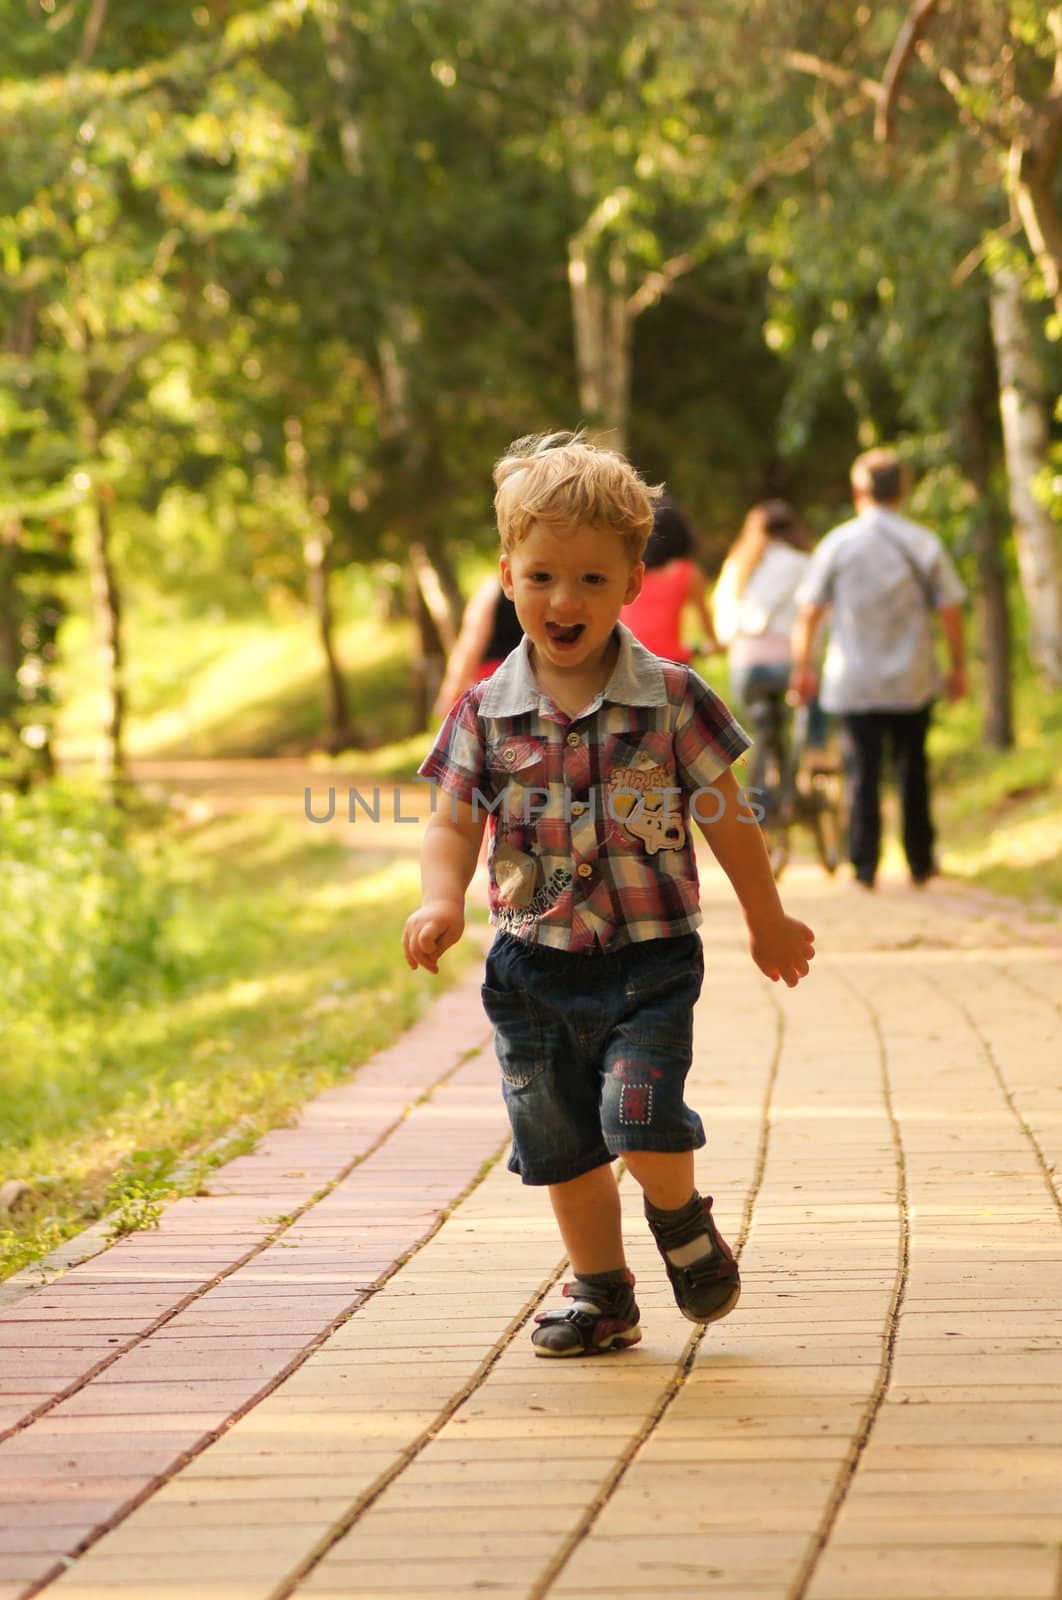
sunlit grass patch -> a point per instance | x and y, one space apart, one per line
237 686
999 813
286 972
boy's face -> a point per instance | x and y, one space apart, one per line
569 586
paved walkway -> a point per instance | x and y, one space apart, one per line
314 1379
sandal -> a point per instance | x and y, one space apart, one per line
604 1317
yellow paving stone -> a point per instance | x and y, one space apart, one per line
686 1563
895 1571
774 1382
413 1579
188 1566
270 1548
1034 1490
728 1444
972 1392
474 1495
192 1519
147 1586
267 1489
400 1589
571 1432
961 1528
1012 1367
429 1532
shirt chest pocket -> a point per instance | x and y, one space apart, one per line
519 760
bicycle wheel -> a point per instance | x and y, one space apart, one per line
826 827
777 809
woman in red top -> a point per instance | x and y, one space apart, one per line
672 582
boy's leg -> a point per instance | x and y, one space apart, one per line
704 1275
603 1314
587 1210
664 1176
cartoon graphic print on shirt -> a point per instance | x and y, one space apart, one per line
518 876
510 917
639 804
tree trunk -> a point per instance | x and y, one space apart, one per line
429 661
315 553
1034 158
433 596
107 605
601 325
990 600
316 539
1025 441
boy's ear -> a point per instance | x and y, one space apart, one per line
634 583
506 571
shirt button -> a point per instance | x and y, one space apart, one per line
585 870
578 808
574 739
508 756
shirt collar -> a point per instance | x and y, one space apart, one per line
637 680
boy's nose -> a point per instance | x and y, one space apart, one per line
565 598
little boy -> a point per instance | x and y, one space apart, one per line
590 755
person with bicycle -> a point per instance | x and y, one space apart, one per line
754 609
885 581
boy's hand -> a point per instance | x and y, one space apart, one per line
783 949
431 931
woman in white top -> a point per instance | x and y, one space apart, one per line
754 606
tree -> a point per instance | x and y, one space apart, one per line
1003 71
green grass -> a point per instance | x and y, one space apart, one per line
203 687
999 814
282 971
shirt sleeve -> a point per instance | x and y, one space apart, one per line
707 738
816 586
457 759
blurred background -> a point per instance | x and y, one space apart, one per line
281 279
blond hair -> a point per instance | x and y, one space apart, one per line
772 519
564 481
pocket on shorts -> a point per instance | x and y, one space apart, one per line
519 1037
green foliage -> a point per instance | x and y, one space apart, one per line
83 918
138 1193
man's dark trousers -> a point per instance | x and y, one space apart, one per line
863 738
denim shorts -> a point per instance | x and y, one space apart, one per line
594 1051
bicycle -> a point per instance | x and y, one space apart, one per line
794 784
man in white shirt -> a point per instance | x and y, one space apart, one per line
883 579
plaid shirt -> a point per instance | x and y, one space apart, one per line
590 828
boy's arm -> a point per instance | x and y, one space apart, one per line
448 860
781 946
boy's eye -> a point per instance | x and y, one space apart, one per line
594 577
538 577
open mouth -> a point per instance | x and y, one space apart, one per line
565 636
